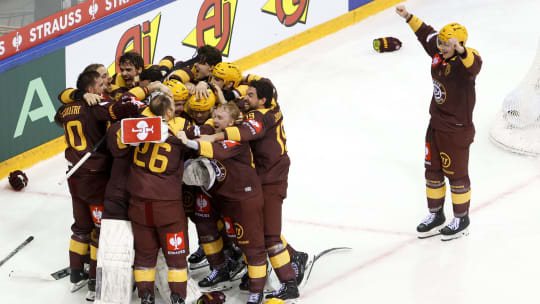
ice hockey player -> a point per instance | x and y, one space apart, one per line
262 123
454 68
84 127
155 207
236 189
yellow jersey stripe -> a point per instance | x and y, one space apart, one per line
177 275
257 272
145 275
280 259
415 23
206 149
213 247
78 247
437 193
233 133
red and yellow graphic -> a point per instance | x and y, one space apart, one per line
141 39
214 25
97 213
289 12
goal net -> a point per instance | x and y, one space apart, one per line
517 125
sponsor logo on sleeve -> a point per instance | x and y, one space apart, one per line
428 154
229 143
253 125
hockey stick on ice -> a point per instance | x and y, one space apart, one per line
28 240
57 275
81 162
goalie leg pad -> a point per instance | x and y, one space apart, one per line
114 279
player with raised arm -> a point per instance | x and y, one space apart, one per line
454 68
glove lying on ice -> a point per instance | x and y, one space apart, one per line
214 297
387 44
18 180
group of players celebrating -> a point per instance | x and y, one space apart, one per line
221 162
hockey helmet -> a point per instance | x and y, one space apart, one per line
178 89
453 30
229 72
203 104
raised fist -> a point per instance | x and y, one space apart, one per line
18 180
402 11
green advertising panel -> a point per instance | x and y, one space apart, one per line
29 102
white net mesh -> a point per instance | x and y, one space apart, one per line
517 125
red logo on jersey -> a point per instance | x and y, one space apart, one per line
175 241
428 152
436 60
229 228
138 130
203 203
255 124
230 143
97 213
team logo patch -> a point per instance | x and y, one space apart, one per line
439 92
97 213
428 152
219 169
175 241
229 228
445 160
239 230
187 199
202 203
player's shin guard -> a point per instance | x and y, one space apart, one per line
178 281
144 278
461 196
281 262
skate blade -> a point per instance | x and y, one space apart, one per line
237 273
78 285
201 264
446 238
433 232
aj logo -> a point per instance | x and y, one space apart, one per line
289 12
214 25
142 130
93 9
445 160
17 41
141 39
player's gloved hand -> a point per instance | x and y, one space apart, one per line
18 180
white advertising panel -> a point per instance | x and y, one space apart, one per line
236 27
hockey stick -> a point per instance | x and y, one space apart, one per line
57 275
81 161
28 240
318 256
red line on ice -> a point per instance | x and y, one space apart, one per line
337 279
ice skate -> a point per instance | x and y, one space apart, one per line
431 225
457 228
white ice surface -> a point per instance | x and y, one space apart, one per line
355 122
